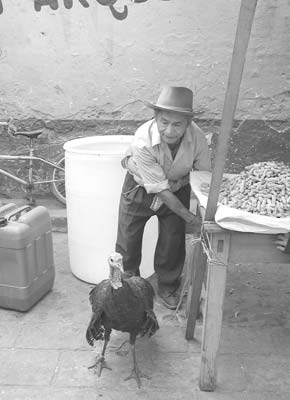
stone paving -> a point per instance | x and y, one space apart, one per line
45 355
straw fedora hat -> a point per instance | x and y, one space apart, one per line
172 98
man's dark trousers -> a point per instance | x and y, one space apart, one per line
134 212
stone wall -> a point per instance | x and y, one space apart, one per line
75 70
83 64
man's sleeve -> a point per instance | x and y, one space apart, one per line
150 170
125 159
202 161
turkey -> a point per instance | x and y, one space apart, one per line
123 302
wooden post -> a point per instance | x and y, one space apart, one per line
217 272
246 17
215 289
216 279
212 324
247 12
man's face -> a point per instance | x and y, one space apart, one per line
171 126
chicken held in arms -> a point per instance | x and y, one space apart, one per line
123 302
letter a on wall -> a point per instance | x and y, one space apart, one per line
54 4
39 3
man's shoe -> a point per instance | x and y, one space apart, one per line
169 298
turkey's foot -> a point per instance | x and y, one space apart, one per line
122 352
137 375
99 365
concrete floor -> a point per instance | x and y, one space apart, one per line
45 355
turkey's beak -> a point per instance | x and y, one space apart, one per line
119 266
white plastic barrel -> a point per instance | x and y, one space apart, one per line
94 178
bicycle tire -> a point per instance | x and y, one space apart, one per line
58 188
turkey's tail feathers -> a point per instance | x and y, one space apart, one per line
95 331
151 324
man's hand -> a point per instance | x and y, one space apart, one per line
192 219
282 240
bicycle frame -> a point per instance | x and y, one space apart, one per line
57 179
30 168
30 183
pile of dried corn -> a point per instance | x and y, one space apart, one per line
262 188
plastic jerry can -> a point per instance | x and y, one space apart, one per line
26 256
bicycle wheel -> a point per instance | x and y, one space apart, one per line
58 186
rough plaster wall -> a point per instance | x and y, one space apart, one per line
265 89
83 64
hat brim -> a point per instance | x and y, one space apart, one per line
172 109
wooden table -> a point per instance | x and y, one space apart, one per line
228 247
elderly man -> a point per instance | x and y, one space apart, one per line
163 152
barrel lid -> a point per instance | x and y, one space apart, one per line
98 145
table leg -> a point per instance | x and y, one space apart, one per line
212 324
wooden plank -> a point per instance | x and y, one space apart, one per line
246 16
199 268
212 325
221 245
189 268
255 248
249 247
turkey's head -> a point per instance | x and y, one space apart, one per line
116 270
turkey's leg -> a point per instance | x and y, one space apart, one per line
136 373
100 359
